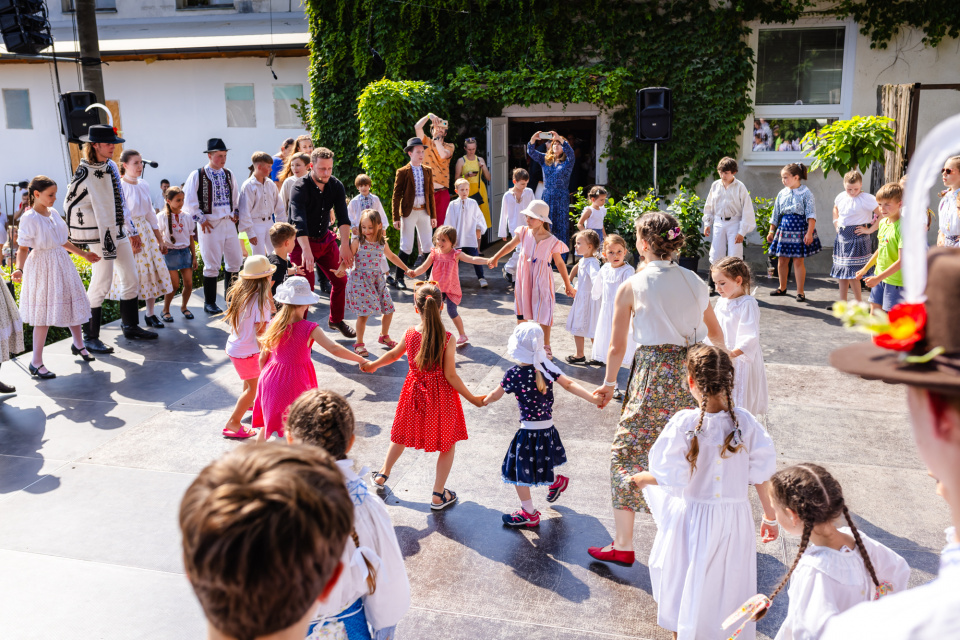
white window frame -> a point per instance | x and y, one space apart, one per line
6 114
296 125
840 111
253 87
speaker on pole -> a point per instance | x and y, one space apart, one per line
25 28
74 119
654 114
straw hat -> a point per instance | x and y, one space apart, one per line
257 267
295 291
538 209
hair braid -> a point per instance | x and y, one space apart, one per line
694 452
733 442
804 541
371 570
863 549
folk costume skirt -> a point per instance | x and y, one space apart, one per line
851 253
788 239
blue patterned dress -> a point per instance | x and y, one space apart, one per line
791 210
556 190
536 449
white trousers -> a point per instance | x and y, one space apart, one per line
220 244
723 239
511 266
101 274
418 221
262 231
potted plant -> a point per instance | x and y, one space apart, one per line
687 208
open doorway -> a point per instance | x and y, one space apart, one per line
580 132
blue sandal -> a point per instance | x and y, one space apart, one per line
443 503
376 475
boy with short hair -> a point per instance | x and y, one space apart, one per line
264 528
259 202
513 202
465 216
364 200
728 210
283 237
887 282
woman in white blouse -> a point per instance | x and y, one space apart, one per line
671 312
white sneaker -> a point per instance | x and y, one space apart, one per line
483 283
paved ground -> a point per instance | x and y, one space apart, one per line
94 463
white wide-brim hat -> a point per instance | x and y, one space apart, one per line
296 291
538 209
257 267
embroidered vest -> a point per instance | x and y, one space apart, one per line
205 190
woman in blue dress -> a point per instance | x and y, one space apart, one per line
557 165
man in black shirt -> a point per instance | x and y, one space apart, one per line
314 196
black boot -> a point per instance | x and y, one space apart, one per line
228 279
91 333
710 283
130 321
6 388
210 295
398 282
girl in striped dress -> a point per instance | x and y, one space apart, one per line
534 288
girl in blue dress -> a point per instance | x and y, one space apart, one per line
557 166
793 234
536 449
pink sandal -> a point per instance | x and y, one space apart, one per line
239 435
462 340
387 342
360 350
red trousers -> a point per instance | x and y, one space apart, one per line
326 255
441 198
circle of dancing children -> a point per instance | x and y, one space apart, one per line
464 215
582 318
948 234
444 259
703 563
835 568
887 282
514 201
286 366
179 232
429 416
534 289
536 450
593 214
854 212
52 294
739 316
151 266
793 234
249 306
367 293
615 272
373 591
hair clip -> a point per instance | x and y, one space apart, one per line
671 234
751 609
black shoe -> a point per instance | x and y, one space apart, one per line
80 352
343 328
391 282
400 284
136 332
6 388
35 371
212 309
93 345
210 295
130 321
153 321
617 394
419 261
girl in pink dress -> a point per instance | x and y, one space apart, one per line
534 288
445 261
287 370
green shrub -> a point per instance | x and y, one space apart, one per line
764 209
687 208
850 144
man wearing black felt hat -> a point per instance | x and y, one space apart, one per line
212 199
414 209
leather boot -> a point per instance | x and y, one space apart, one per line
229 278
210 295
130 321
91 333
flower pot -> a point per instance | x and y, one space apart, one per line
689 263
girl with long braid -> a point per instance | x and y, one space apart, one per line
703 563
835 568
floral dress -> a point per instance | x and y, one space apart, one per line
556 189
534 287
367 292
151 267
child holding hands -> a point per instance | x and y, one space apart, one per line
429 416
536 450
465 216
179 234
585 310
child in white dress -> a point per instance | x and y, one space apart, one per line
465 216
582 319
615 272
703 563
52 294
373 591
593 214
835 568
739 316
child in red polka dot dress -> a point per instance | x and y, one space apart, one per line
429 415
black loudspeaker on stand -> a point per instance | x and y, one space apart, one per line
74 119
654 120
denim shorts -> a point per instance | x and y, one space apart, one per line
177 259
886 295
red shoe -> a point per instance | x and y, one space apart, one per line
559 486
622 558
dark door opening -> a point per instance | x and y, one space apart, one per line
580 132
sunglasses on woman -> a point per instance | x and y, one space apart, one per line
946 171
420 283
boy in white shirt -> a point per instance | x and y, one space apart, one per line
259 203
465 216
365 200
514 201
728 210
592 216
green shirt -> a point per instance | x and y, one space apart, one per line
889 252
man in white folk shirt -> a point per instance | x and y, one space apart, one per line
212 200
259 202
728 211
